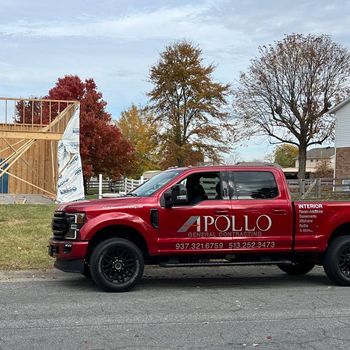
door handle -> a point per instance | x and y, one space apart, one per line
221 212
279 211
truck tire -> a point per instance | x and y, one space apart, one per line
297 268
337 261
116 265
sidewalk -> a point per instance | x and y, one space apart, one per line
25 199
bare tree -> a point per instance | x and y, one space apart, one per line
323 169
288 90
232 158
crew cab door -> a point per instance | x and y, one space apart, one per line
198 225
261 211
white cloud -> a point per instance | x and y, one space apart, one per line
189 21
135 26
116 42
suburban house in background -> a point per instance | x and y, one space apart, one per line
315 155
313 158
342 139
338 156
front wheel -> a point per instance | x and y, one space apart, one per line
116 265
337 261
297 267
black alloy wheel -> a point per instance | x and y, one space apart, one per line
337 261
116 265
344 262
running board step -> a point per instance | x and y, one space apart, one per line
221 263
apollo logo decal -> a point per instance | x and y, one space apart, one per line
223 223
192 221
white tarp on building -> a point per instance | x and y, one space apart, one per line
70 184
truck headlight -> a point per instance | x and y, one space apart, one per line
76 221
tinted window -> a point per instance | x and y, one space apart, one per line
202 186
254 185
211 185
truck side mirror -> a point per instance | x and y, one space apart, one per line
168 200
176 195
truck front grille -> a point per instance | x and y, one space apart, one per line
60 224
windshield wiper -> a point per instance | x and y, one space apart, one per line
131 194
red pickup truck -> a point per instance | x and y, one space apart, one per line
202 216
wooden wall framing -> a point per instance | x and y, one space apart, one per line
28 152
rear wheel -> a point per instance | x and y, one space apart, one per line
297 267
116 265
337 261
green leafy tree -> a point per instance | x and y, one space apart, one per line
137 127
285 155
189 104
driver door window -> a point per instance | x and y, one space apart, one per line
203 186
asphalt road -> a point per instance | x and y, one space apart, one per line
201 308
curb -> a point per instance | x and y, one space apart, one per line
31 275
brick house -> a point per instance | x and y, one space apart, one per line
342 139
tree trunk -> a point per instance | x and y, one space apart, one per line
180 161
302 161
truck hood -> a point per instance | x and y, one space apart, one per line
99 204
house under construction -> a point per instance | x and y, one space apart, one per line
29 133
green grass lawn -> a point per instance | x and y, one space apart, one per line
24 233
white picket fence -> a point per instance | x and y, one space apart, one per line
131 184
110 188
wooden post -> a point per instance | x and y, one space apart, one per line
41 112
33 114
49 112
5 111
53 165
318 188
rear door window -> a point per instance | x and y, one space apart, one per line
254 185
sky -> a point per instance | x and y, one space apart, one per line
117 42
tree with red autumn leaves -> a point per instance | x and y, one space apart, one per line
102 146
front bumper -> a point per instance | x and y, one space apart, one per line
70 255
70 265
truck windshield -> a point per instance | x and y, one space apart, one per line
156 182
